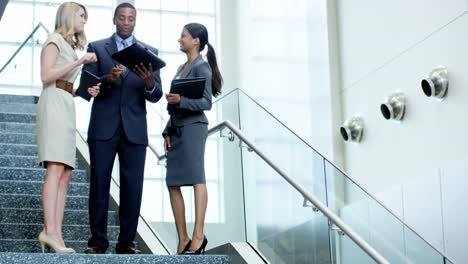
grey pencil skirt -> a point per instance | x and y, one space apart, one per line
185 163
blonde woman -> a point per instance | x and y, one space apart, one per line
60 66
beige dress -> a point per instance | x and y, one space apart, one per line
56 112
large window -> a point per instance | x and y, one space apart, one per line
21 17
160 24
284 62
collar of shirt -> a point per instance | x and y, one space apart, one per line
118 41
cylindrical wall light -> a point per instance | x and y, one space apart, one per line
436 85
352 129
394 107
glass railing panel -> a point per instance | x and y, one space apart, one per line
225 220
20 64
345 251
278 223
374 223
287 151
419 251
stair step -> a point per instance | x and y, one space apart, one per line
18 149
18 99
18 108
35 187
34 258
18 117
34 201
23 161
15 127
69 232
33 246
18 138
35 174
34 216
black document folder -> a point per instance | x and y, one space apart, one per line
191 88
87 80
136 54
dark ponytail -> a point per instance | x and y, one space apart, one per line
197 30
216 78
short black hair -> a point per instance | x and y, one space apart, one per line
123 5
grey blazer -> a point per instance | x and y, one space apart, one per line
190 111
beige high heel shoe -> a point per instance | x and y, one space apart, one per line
47 241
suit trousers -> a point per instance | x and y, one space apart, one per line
132 164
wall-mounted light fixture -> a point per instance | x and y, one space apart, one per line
352 129
436 85
394 107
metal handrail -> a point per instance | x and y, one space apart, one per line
307 195
39 25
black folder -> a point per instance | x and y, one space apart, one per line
191 88
87 80
136 54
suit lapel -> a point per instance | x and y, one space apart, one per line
111 47
192 65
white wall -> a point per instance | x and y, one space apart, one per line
389 46
283 64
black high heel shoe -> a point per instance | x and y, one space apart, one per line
201 249
186 248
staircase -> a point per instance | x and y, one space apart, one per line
21 182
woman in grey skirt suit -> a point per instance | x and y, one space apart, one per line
185 136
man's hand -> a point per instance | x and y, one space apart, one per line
146 74
115 73
94 91
172 98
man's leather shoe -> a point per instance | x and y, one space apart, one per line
128 250
94 250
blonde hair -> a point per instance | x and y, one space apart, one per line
64 24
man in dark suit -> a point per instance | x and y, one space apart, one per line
118 126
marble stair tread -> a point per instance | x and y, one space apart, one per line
18 99
15 127
33 216
34 258
18 108
33 246
36 174
18 117
35 187
17 138
18 149
69 232
23 161
76 202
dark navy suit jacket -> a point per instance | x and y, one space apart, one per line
121 102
